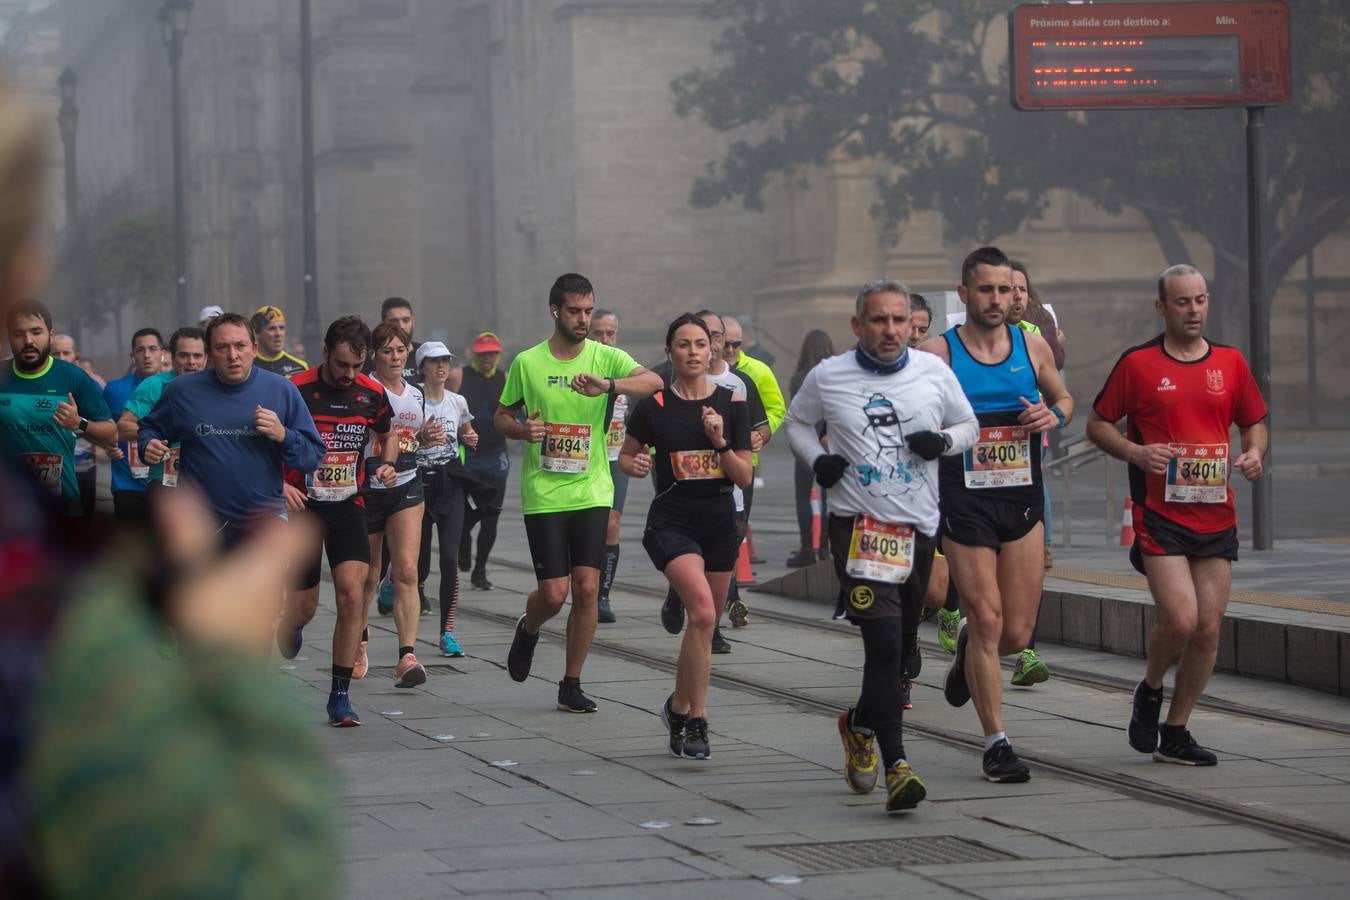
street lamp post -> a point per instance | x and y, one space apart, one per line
173 23
67 117
310 327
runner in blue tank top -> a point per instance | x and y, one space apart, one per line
991 500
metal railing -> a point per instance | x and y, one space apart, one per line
1078 452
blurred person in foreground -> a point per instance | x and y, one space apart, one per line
123 774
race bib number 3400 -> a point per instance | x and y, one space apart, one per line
1000 458
880 551
566 448
1198 474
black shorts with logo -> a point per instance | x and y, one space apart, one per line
344 539
704 526
1157 535
561 541
863 599
381 503
976 521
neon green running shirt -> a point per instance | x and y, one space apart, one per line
569 470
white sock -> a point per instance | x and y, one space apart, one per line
991 739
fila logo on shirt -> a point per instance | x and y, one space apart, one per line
1166 385
559 381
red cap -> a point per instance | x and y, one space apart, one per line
487 343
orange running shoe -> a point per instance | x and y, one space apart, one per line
409 672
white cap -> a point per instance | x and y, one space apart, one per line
209 312
432 350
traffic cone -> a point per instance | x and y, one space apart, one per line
750 542
744 577
815 519
1127 524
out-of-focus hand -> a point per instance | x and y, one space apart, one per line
642 463
1250 465
386 475
590 385
470 437
1153 458
268 425
67 414
536 430
155 451
295 498
1037 417
712 425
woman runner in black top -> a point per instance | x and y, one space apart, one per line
701 436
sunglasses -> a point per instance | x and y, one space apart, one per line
734 345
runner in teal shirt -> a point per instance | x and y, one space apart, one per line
187 349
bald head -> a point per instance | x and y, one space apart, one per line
63 347
731 337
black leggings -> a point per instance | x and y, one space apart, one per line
803 479
444 508
484 511
880 706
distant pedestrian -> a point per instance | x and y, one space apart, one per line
816 346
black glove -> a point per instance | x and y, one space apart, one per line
829 469
928 444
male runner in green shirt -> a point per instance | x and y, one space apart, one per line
187 349
45 403
566 492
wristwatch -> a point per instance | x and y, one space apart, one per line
723 449
611 386
84 426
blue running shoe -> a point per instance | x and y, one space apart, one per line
450 646
340 712
384 597
290 641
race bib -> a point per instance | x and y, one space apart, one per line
171 462
139 469
1000 458
1198 474
566 448
696 465
880 551
407 440
46 466
335 478
614 439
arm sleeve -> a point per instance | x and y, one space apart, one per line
513 392
801 419
640 421
89 399
958 418
1112 403
1251 406
303 447
738 433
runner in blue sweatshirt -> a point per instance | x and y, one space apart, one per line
237 424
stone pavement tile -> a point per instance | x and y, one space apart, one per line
1113 815
741 889
854 883
550 851
1305 892
1032 846
467 728
555 879
376 882
1121 874
1076 889
1288 869
1183 841
608 783
1184 894
523 750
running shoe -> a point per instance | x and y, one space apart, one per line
384 597
1030 669
954 687
1002 766
738 613
904 790
949 623
674 723
450 646
289 642
696 738
340 712
803 557
362 664
672 613
860 757
521 655
926 613
604 613
409 672
479 580
571 699
1179 747
720 645
1049 558
913 661
906 688
1143 728
422 596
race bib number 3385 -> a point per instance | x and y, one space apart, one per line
880 551
566 448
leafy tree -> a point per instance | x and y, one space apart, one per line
923 85
132 267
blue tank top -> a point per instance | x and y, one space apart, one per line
994 387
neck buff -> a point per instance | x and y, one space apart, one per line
871 364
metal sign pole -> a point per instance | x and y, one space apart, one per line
1263 491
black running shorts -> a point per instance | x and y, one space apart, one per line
344 538
975 521
561 541
863 599
706 527
1156 535
381 503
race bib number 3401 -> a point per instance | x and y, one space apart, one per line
880 551
566 448
1000 458
1198 474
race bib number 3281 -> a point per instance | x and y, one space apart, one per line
566 448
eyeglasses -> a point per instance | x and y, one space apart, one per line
715 335
734 345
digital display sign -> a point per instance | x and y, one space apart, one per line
1148 55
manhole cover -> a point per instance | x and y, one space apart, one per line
911 851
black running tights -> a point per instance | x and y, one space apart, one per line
880 706
447 514
484 512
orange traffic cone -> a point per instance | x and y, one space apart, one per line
815 519
744 577
1127 524
750 542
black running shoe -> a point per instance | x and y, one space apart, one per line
672 613
913 661
1143 729
1179 747
479 580
604 613
954 688
906 689
696 738
571 699
674 723
1002 766
521 655
719 643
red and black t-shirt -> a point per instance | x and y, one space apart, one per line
1190 405
345 417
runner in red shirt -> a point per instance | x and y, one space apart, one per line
346 406
1179 394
